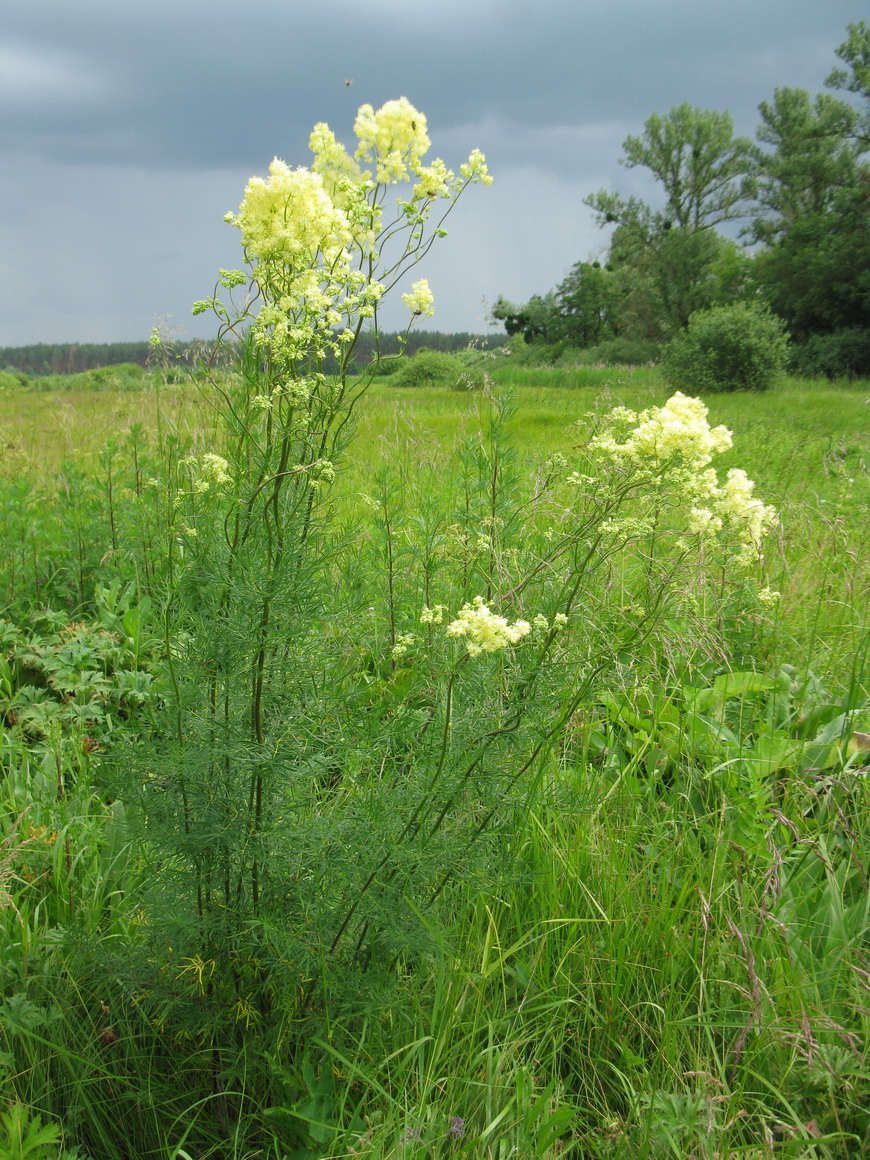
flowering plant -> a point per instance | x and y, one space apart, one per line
247 570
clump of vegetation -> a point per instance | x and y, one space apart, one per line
435 368
729 348
841 354
10 380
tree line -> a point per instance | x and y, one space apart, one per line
75 358
802 193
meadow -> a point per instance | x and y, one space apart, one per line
485 805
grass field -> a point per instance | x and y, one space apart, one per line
601 894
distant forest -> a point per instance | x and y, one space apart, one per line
72 358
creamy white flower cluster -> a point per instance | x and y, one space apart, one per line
304 230
677 438
678 430
484 631
733 508
420 300
210 470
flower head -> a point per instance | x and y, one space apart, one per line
215 468
678 430
289 217
421 299
393 139
484 631
457 1128
475 168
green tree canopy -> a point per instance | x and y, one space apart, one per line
810 159
700 164
855 78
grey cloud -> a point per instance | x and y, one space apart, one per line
127 130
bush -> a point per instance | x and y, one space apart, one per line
433 368
729 348
10 379
616 352
842 354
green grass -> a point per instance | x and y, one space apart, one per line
660 952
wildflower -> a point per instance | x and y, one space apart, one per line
475 168
678 429
322 470
232 278
289 217
332 161
555 464
703 522
457 1128
404 640
768 597
736 504
432 181
484 631
215 468
433 615
421 299
394 138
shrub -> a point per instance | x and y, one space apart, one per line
389 365
617 352
729 348
433 368
121 376
11 379
842 354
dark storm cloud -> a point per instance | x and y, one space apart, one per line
128 129
206 84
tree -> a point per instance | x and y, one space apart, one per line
667 260
702 166
589 301
811 158
535 320
855 53
814 211
817 276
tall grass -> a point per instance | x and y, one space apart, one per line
659 949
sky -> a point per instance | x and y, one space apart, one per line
128 129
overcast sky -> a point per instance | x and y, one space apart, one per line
128 128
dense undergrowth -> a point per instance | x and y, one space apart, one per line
656 943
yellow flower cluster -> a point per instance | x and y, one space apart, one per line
475 168
290 218
313 235
393 139
433 615
421 299
484 631
678 439
743 512
333 162
215 468
678 430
